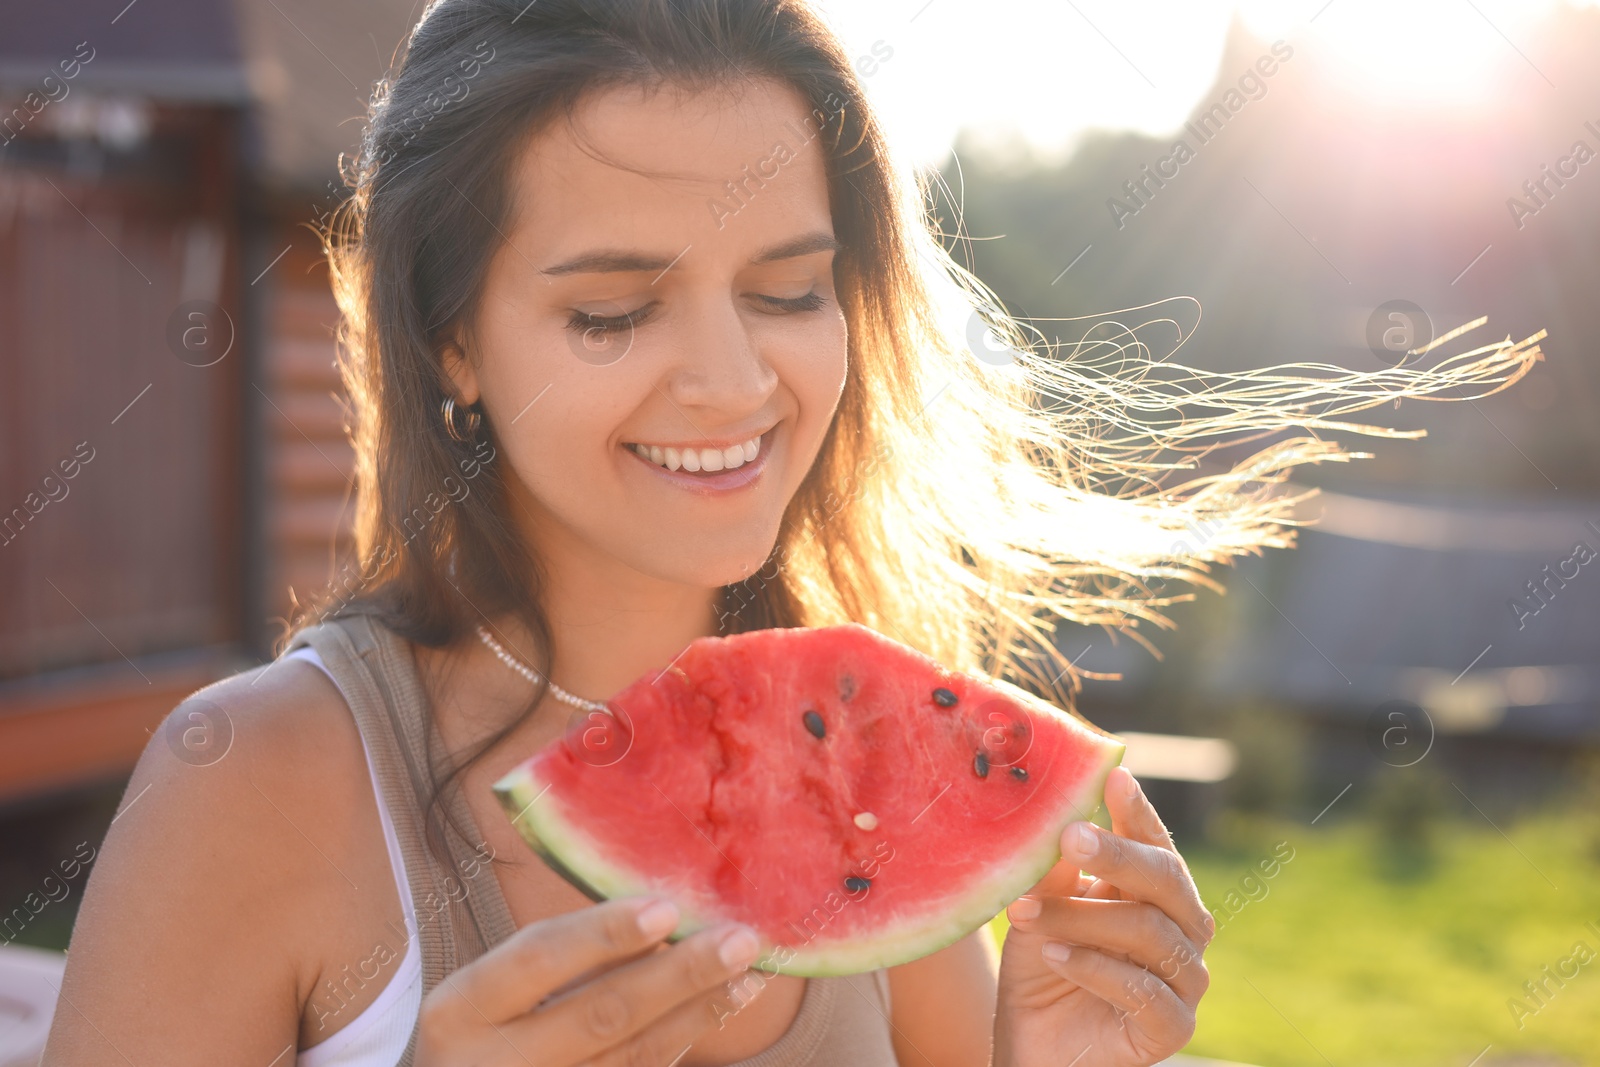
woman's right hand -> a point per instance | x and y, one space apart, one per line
519 1003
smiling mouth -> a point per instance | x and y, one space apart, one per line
700 460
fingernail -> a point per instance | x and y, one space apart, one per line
1085 841
738 947
1055 951
1133 786
1024 908
658 919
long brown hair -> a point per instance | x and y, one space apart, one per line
960 503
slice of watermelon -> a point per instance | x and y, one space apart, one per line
849 798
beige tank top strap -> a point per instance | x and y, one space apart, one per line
461 912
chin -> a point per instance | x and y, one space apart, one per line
716 563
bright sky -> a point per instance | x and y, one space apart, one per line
1052 69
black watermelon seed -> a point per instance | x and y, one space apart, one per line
943 697
847 686
1019 774
980 765
856 884
813 723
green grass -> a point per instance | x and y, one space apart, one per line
1351 959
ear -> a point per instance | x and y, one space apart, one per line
461 371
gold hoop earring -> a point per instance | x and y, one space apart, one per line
474 420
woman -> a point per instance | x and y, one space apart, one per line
646 341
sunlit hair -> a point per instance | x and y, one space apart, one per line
963 501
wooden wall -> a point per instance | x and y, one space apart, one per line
122 576
310 494
127 585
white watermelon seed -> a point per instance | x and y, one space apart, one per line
866 820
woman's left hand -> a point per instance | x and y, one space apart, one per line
1133 928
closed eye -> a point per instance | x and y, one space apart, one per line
812 301
586 323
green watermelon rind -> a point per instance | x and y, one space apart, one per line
558 841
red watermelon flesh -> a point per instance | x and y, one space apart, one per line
856 803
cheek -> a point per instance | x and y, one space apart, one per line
560 445
814 367
541 386
551 411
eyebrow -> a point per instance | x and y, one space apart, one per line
614 260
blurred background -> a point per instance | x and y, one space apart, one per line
1380 752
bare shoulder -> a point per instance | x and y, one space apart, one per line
194 943
284 724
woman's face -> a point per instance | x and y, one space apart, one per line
661 353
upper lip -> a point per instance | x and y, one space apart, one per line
723 442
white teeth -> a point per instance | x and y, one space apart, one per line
701 459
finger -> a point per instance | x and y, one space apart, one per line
1061 880
1144 872
1132 814
1140 933
1098 889
667 1040
1121 788
1139 822
621 1003
1137 818
515 975
601 968
1149 1003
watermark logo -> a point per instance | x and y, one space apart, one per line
55 887
200 333
199 732
1399 733
1552 978
1541 190
1204 128
52 88
1253 886
1397 328
1552 579
52 490
599 738
601 338
986 344
1006 734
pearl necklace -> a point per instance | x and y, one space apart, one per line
533 676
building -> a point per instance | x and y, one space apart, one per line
172 460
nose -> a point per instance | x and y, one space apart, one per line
718 369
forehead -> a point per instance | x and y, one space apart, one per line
724 171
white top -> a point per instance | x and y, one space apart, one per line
377 1037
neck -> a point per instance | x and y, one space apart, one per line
609 623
